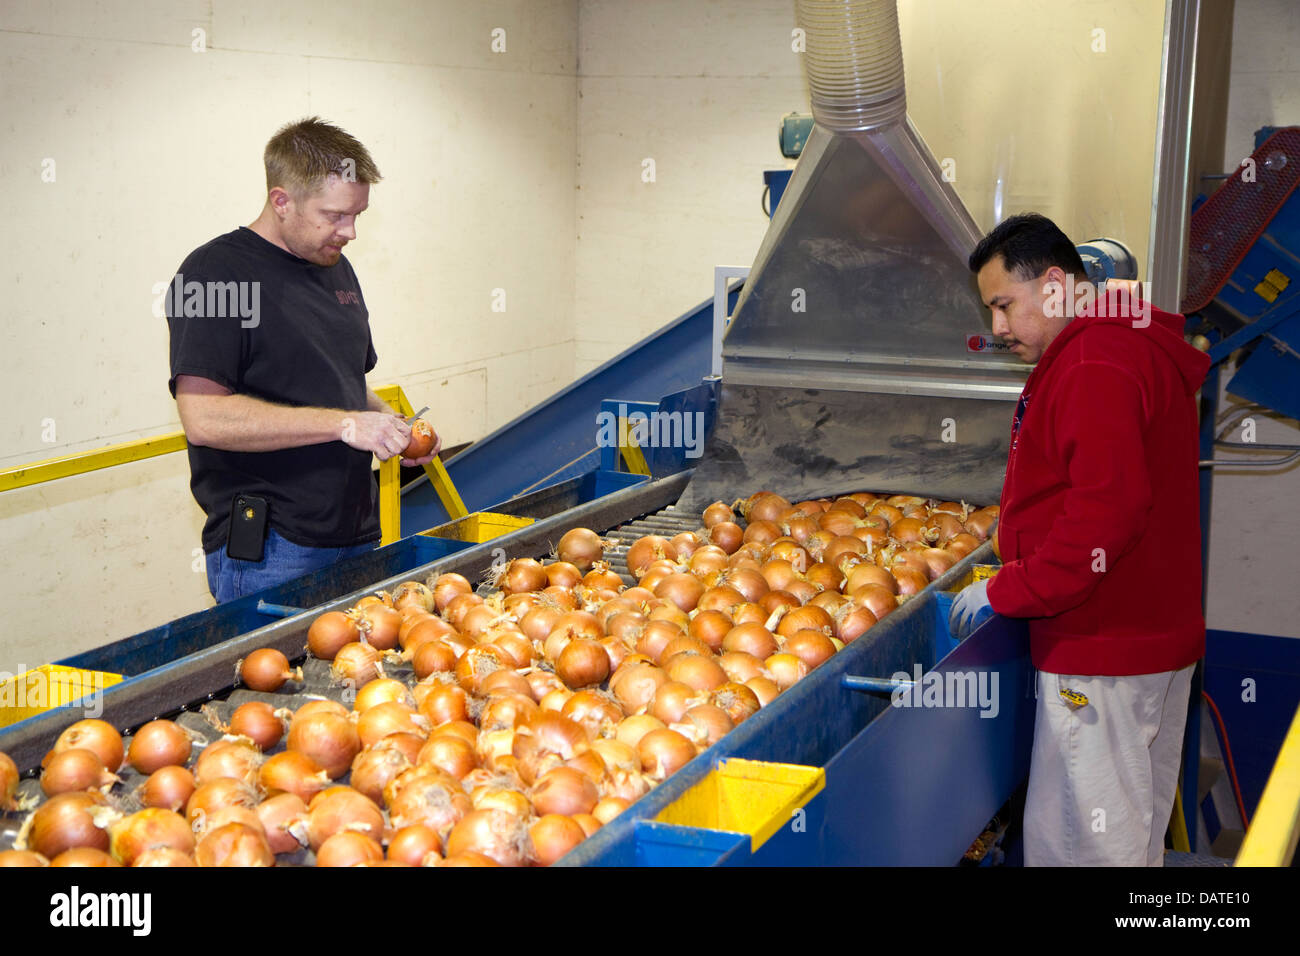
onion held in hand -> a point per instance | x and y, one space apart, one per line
422 440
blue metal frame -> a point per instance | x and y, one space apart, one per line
546 444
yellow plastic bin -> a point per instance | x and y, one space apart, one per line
48 686
479 527
754 798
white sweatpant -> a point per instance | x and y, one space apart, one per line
1102 777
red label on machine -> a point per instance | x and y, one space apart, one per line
983 342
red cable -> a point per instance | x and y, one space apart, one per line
1227 753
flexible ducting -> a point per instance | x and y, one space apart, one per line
854 62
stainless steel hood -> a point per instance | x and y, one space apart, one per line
847 363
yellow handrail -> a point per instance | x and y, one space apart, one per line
1273 833
390 501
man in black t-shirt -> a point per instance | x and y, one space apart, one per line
270 346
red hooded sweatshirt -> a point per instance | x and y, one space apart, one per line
1100 515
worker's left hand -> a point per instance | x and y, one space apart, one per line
970 609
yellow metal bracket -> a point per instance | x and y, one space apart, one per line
1273 833
630 451
390 478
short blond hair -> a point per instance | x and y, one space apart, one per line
302 155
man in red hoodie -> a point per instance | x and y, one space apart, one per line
1100 542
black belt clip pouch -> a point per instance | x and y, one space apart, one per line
247 538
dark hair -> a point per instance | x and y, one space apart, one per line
1029 245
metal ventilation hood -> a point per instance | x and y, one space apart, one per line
846 365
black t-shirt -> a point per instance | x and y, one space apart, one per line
260 321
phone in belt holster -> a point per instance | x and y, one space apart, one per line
246 540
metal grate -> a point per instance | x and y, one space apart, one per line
1228 224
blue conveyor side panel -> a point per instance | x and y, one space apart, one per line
557 439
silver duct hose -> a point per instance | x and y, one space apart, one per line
854 62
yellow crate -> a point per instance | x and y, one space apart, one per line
746 796
48 686
479 527
980 572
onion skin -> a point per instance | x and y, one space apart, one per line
496 834
330 632
228 758
76 769
147 830
266 670
257 721
68 821
554 835
328 739
8 781
416 845
340 808
83 856
163 856
97 735
582 663
347 848
580 547
234 844
564 790
277 815
664 752
21 858
292 772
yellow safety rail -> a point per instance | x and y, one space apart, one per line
390 500
1273 833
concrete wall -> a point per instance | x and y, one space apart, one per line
155 134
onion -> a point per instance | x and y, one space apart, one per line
83 856
808 617
422 440
564 790
380 624
664 752
169 788
764 688
293 772
785 669
21 858
382 690
582 663
433 656
717 513
149 829
77 769
450 754
328 739
469 859
70 820
547 739
736 700
740 666
596 712
695 671
580 547
811 647
447 587
329 632
710 722
646 550
727 535
342 808
228 758
981 522
234 844
8 781
348 848
752 639
163 856
852 621
684 644
320 707
552 836
522 574
412 594
879 600
635 686
266 670
910 580
444 702
96 735
220 794
631 729
477 663
356 664
672 700
416 845
280 817
425 795
388 718
500 836
256 720
863 574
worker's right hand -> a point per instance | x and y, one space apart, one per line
382 433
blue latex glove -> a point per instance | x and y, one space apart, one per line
970 609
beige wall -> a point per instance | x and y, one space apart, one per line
157 148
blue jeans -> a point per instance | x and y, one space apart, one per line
282 561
